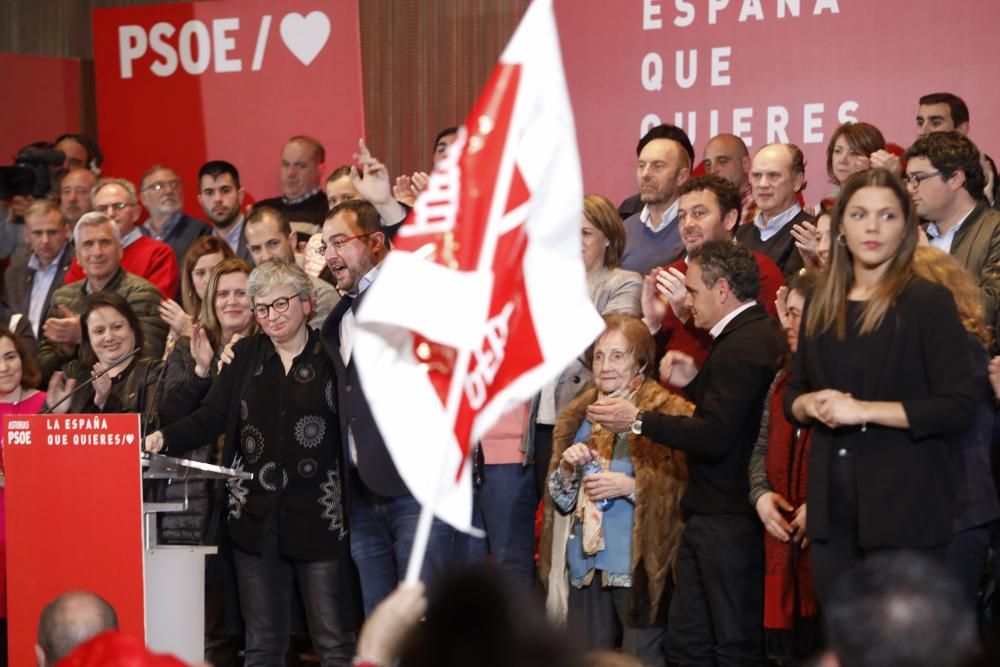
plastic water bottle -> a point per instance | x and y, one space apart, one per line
590 468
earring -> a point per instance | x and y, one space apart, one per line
841 240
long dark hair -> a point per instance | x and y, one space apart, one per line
828 306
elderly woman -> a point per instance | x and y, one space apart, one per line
613 290
124 382
778 478
274 403
619 558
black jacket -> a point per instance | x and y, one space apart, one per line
920 357
728 394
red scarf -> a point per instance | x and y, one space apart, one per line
788 581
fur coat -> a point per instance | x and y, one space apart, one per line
660 477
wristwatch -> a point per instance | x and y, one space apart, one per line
637 423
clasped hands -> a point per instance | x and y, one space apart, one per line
834 408
598 485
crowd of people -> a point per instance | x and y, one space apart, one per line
783 435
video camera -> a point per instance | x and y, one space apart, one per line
29 175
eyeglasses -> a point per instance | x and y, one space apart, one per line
160 186
914 180
107 209
280 305
339 244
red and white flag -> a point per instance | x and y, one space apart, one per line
483 298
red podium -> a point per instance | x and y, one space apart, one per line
74 518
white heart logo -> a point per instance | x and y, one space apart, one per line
129 437
305 36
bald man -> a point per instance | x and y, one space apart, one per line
302 199
777 175
75 194
652 235
70 620
726 155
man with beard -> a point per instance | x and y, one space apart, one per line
653 236
221 197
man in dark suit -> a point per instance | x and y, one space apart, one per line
383 513
777 175
221 197
31 279
946 180
716 612
162 194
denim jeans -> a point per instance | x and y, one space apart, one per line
505 507
265 586
382 533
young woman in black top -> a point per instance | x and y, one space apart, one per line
884 374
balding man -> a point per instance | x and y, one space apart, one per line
726 155
777 174
75 194
30 280
141 255
652 235
163 196
70 620
302 199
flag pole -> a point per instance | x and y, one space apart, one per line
426 519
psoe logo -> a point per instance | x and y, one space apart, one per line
198 46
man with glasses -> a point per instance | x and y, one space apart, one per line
269 237
141 255
163 196
708 209
382 511
945 179
777 175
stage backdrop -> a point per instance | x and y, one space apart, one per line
768 70
37 112
181 84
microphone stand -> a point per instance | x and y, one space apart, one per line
49 408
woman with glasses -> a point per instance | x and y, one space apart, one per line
274 402
883 375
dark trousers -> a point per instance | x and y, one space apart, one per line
598 615
967 555
716 613
840 551
504 508
382 535
543 454
265 585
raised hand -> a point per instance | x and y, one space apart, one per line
59 389
173 314
201 351
677 369
671 285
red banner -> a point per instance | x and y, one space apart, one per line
768 70
37 112
231 80
74 518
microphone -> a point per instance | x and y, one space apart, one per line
49 408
